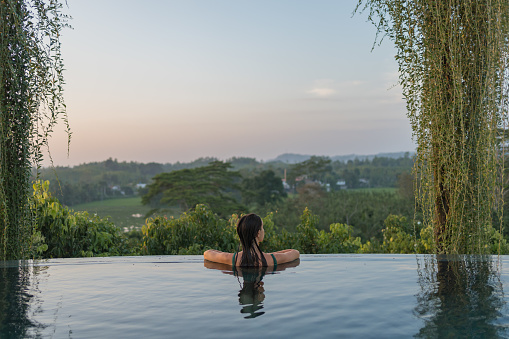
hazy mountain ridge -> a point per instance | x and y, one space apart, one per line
293 158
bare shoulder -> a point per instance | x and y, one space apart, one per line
218 256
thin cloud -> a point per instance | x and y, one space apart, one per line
327 88
322 92
323 88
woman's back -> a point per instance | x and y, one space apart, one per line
251 233
269 259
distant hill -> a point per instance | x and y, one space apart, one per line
292 158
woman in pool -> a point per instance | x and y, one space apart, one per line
251 233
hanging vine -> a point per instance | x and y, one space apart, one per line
31 103
452 58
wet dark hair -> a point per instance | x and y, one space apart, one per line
247 228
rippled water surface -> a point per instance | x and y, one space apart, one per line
322 296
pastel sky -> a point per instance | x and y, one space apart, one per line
168 81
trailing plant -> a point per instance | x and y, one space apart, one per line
452 58
31 102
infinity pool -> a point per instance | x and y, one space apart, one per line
321 296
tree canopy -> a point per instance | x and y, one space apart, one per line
214 185
263 188
315 168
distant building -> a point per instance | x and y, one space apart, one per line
364 182
341 184
301 178
117 189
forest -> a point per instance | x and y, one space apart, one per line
323 206
112 179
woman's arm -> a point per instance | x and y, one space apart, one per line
286 255
218 256
284 251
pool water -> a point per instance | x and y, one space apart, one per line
320 296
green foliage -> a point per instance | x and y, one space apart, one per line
371 246
96 181
192 233
339 240
397 235
31 102
200 229
263 188
315 168
125 213
427 241
365 211
272 241
406 186
377 172
308 239
213 185
99 181
452 58
497 243
307 233
133 242
63 233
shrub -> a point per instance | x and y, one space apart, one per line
307 233
192 233
396 238
63 233
339 240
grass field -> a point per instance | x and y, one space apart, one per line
124 212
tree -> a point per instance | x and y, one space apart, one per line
213 185
351 178
315 168
263 188
452 58
31 102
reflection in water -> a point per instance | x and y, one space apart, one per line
461 296
252 291
15 299
251 294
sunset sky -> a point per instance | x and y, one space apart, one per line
170 81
